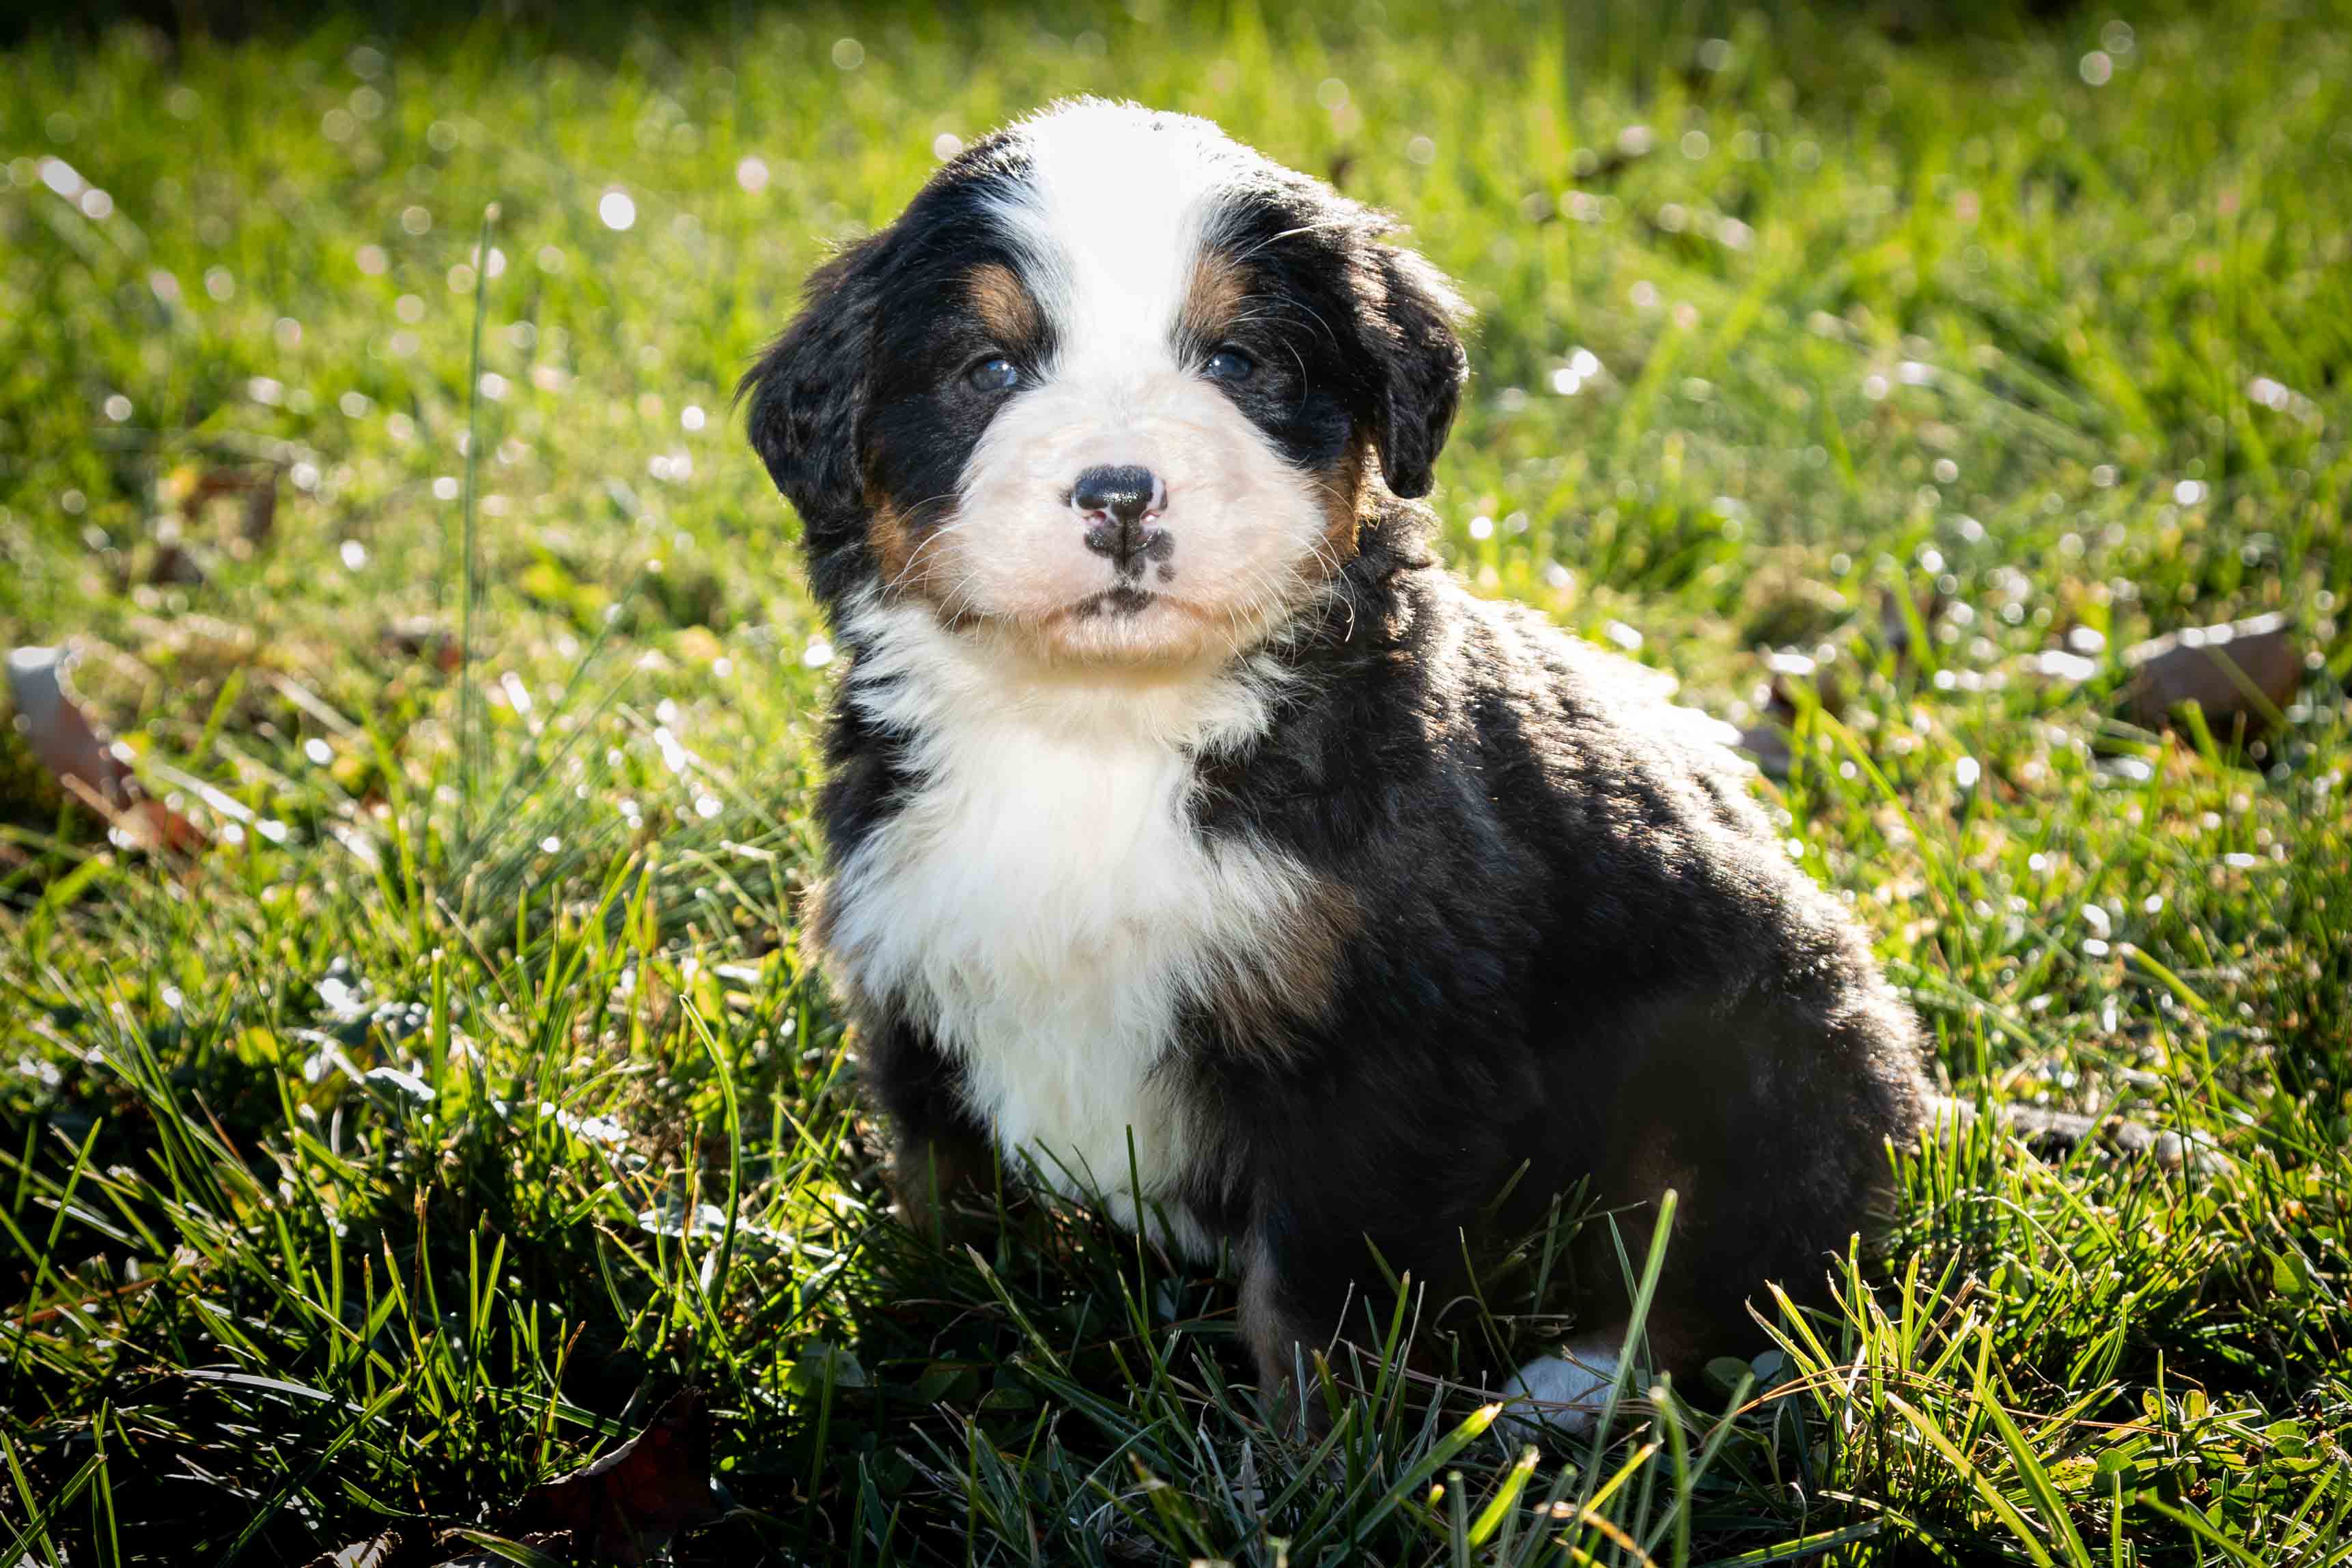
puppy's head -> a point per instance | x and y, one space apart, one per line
1113 387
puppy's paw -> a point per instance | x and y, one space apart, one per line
1559 1394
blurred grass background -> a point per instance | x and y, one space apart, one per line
1883 372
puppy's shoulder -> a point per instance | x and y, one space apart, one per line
1520 682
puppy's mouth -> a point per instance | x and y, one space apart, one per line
1114 603
1120 623
1126 602
1126 624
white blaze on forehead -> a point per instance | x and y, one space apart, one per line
1111 217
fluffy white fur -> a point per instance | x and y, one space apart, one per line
1042 905
1112 220
1559 1392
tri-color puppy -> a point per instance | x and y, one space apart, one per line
1196 838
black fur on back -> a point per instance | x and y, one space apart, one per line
1584 954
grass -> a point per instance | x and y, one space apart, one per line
467 1096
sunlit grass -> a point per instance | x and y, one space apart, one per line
467 1098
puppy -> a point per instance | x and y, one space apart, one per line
1196 840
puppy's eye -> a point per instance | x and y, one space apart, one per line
996 373
1229 363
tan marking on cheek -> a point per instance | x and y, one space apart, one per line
1004 306
911 561
1339 488
893 539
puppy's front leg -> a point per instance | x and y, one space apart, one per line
938 1149
1284 1343
1561 1391
1307 1286
928 1171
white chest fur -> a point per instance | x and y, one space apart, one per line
1043 905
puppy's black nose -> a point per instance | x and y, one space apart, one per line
1119 505
1125 493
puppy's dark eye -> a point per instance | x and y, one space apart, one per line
994 375
1229 365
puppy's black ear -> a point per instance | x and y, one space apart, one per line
1407 321
808 390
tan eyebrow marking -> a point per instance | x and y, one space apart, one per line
1003 305
1213 300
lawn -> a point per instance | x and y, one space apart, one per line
449 1090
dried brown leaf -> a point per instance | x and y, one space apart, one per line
625 1506
63 739
256 487
2247 670
60 733
424 638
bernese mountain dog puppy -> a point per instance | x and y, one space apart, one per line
1197 843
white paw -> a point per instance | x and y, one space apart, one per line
1560 1393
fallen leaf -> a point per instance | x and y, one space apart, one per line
257 486
625 1506
422 637
1894 625
63 740
1800 681
2054 1133
2246 670
822 1364
174 565
60 734
1788 607
1727 1371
